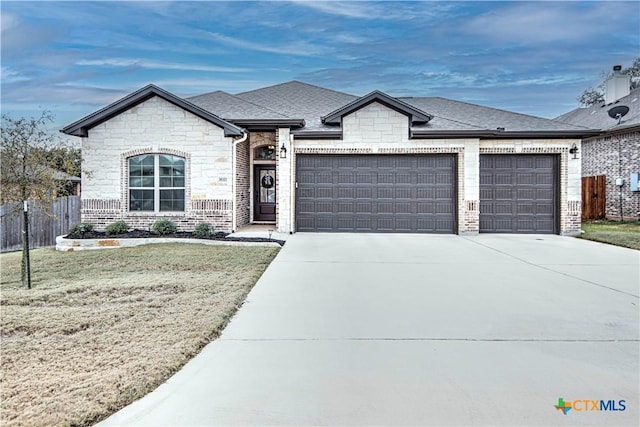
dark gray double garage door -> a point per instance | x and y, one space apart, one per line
376 193
417 193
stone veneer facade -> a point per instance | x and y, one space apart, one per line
156 126
616 156
211 191
376 129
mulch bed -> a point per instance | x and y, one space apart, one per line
138 234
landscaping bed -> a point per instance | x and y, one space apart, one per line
146 234
101 329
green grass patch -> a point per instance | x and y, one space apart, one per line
619 233
101 329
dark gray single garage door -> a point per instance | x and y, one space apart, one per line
376 193
518 193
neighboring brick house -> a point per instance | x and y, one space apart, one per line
306 158
615 152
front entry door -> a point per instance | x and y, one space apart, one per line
265 193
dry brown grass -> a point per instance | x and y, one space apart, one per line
100 329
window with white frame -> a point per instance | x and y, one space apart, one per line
156 183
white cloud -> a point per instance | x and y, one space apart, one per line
543 22
7 75
7 21
128 62
299 48
388 10
347 9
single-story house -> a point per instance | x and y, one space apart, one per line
307 158
614 154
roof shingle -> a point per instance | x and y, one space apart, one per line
597 117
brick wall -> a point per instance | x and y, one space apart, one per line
570 189
616 156
468 151
243 184
157 127
101 213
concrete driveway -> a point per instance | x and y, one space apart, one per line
363 329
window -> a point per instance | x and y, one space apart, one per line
156 183
268 152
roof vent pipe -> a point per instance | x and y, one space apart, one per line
617 86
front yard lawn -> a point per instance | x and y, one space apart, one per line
620 233
101 329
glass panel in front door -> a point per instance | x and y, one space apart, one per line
267 186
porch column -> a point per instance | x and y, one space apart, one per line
283 174
469 223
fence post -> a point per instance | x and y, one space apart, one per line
25 245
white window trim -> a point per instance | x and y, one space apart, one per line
156 185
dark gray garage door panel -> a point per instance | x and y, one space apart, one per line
376 193
518 193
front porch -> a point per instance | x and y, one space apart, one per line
262 183
268 231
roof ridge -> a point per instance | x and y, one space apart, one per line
300 82
239 99
209 93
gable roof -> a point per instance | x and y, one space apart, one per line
316 112
451 117
596 116
82 126
244 113
416 116
300 100
446 117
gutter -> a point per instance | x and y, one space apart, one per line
504 134
267 123
480 133
634 127
318 134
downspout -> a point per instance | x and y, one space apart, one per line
234 169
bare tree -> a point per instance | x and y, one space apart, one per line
29 170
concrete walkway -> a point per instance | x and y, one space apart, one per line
363 329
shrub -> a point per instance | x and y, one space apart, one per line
164 226
204 229
118 227
81 228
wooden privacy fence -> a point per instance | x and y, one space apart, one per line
594 199
44 225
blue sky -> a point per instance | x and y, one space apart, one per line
531 57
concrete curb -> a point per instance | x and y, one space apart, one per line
71 245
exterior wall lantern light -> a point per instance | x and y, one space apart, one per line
283 151
574 150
